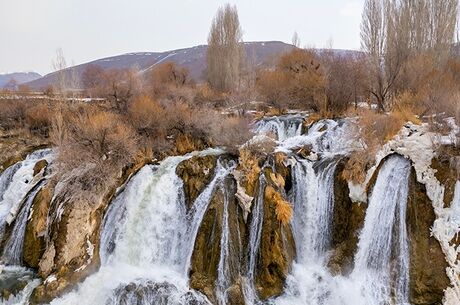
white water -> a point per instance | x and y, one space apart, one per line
15 183
313 198
283 127
385 235
310 281
223 272
255 234
327 137
12 251
149 251
11 276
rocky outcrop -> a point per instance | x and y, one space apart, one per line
277 248
158 293
71 251
428 277
347 221
207 248
34 239
196 173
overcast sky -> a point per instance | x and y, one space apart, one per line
32 30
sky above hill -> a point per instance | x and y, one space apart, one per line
31 30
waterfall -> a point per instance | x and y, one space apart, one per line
384 236
12 252
15 182
381 272
283 127
313 198
223 273
145 241
255 234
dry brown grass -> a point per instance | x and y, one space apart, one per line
283 208
96 147
38 119
357 166
248 164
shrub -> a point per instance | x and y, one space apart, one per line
38 119
298 81
96 147
12 113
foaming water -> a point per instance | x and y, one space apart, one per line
15 278
377 279
15 182
145 258
12 251
283 127
255 234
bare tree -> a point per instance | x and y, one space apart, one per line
59 66
225 50
296 40
394 30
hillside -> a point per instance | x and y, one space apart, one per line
19 77
193 58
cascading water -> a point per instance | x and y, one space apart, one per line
15 183
18 187
18 280
255 233
313 199
12 251
283 127
377 279
384 237
145 259
223 268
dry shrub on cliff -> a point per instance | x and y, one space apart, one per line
283 208
248 164
376 129
357 166
95 148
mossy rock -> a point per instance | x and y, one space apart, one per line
196 173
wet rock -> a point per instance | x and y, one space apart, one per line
206 252
347 221
39 166
235 295
34 239
196 173
428 277
207 248
148 292
446 175
277 250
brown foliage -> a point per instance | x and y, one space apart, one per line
298 81
96 147
283 208
38 119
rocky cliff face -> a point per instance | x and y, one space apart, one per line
428 278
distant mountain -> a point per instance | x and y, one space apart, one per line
194 59
18 77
